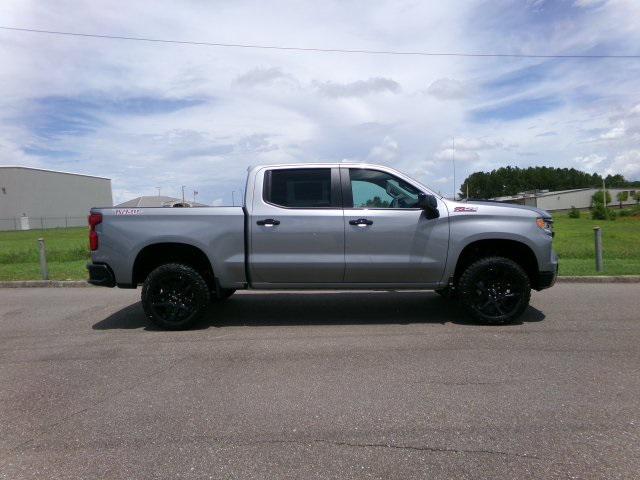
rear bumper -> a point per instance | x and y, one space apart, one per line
101 275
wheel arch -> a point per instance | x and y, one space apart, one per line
516 250
156 254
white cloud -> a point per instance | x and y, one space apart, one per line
614 133
386 152
263 76
261 106
627 163
358 88
447 89
460 155
590 162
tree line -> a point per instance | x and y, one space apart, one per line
511 180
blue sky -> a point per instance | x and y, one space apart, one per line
158 115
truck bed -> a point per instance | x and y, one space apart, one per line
217 231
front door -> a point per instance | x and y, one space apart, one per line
388 239
296 227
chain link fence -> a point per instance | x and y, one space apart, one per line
41 223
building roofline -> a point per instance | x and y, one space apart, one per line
53 171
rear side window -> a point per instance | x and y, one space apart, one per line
299 188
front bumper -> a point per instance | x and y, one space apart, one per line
547 279
100 275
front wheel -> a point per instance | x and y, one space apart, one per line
494 290
174 296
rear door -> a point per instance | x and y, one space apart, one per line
388 239
296 227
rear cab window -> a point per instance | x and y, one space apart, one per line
300 188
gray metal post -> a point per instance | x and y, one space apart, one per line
598 240
43 260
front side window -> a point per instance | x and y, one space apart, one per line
375 189
299 187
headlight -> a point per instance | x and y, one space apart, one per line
545 224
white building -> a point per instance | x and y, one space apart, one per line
37 198
158 201
563 200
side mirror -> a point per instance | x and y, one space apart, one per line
429 204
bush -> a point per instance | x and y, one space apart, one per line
574 213
631 212
599 212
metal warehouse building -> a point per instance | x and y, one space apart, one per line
563 200
36 198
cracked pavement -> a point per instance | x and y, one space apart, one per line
320 385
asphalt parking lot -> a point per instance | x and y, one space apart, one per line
329 385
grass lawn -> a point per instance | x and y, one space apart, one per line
67 249
574 243
67 254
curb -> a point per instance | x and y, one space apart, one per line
84 284
600 279
45 284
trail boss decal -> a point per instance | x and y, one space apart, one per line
465 209
128 211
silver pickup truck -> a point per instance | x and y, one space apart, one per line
325 226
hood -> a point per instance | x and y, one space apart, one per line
538 211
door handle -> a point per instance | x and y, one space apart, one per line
269 222
361 222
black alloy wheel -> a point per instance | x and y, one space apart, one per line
174 296
495 290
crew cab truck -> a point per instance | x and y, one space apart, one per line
325 226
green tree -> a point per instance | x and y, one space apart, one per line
596 198
512 180
377 202
622 197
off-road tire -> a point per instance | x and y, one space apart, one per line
174 296
494 290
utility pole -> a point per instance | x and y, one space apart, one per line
604 199
453 159
183 193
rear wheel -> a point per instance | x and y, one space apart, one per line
494 290
174 296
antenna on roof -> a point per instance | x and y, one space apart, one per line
453 159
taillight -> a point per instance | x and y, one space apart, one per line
94 219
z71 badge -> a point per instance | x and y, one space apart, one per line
128 211
465 209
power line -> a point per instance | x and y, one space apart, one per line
309 49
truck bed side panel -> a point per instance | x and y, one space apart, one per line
217 231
